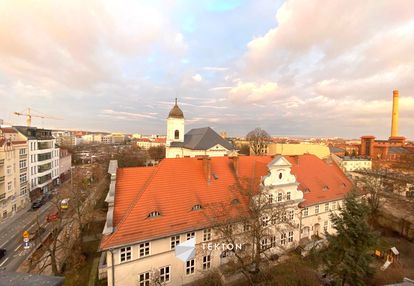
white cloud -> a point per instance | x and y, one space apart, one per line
251 92
197 77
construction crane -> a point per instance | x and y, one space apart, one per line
29 116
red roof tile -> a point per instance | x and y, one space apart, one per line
176 185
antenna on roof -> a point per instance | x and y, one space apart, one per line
175 101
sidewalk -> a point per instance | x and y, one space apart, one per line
11 220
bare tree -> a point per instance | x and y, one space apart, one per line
258 140
156 153
254 220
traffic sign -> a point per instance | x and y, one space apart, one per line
26 234
26 245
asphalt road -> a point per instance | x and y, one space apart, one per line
12 240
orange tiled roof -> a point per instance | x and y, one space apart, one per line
176 185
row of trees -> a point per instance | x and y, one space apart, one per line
68 227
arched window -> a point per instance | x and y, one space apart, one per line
176 134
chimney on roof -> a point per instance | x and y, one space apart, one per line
235 163
207 168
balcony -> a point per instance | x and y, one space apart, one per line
44 168
44 179
44 145
44 157
1 179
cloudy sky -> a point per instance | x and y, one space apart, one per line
312 68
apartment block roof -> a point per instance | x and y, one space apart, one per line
176 185
34 133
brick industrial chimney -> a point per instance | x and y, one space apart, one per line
394 122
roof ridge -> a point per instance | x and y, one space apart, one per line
133 203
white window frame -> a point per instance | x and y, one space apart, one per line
206 262
316 209
146 278
190 235
327 207
124 251
190 267
279 197
166 276
143 248
174 241
291 215
305 211
288 196
283 238
207 234
290 236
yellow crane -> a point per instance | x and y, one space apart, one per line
29 116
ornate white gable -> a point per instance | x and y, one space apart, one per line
281 180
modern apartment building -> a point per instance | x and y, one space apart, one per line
14 191
154 209
43 159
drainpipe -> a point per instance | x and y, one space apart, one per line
113 266
300 224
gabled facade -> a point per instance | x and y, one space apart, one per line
154 209
14 191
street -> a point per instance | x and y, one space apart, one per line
11 235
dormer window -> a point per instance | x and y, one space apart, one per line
325 188
280 176
154 214
196 207
235 202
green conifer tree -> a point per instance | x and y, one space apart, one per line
348 258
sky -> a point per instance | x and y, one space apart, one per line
293 68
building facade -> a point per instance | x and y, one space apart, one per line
65 164
171 201
351 164
43 160
14 191
290 149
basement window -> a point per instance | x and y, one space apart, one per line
196 207
154 214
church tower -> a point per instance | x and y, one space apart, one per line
175 125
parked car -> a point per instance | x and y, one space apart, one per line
2 252
53 216
64 204
37 204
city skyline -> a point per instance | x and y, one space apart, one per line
234 66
